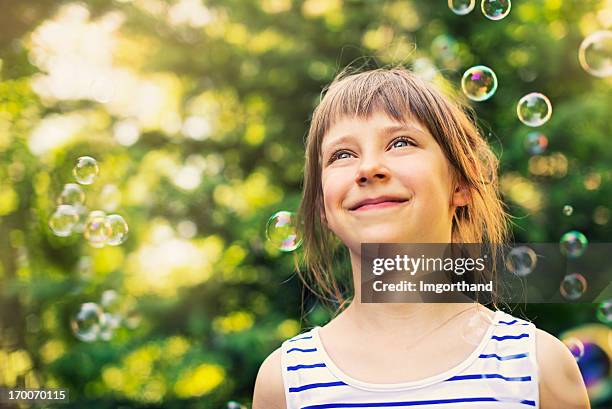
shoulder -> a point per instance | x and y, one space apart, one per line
561 383
269 390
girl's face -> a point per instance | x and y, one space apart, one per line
378 156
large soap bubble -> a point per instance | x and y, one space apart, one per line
534 109
495 9
595 53
479 83
282 231
86 170
63 220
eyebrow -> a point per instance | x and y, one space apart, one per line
384 131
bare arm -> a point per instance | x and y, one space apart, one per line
269 390
561 383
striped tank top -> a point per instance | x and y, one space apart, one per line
501 373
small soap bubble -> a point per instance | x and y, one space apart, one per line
83 214
63 220
575 346
534 109
88 321
568 210
461 7
521 260
573 286
595 53
573 244
72 194
479 83
282 232
119 230
495 9
604 312
536 143
97 229
85 170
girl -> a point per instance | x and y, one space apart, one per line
385 134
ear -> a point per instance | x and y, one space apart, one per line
461 195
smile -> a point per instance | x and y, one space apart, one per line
378 206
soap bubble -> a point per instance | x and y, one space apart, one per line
87 322
536 143
575 346
97 229
595 53
85 170
495 9
521 260
479 83
568 210
72 194
63 220
119 230
281 231
573 244
604 312
573 286
461 7
534 109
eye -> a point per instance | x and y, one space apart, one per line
403 139
337 155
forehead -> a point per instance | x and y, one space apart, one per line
349 127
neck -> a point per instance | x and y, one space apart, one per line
396 318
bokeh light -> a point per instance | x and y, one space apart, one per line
536 143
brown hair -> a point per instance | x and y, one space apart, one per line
400 94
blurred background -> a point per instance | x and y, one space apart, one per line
148 146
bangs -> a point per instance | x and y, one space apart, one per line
364 94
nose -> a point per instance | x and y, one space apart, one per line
370 170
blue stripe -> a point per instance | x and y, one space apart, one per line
495 337
513 322
408 403
503 358
296 367
299 339
302 350
490 376
316 385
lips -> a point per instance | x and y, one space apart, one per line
381 201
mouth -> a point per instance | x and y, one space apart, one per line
379 206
